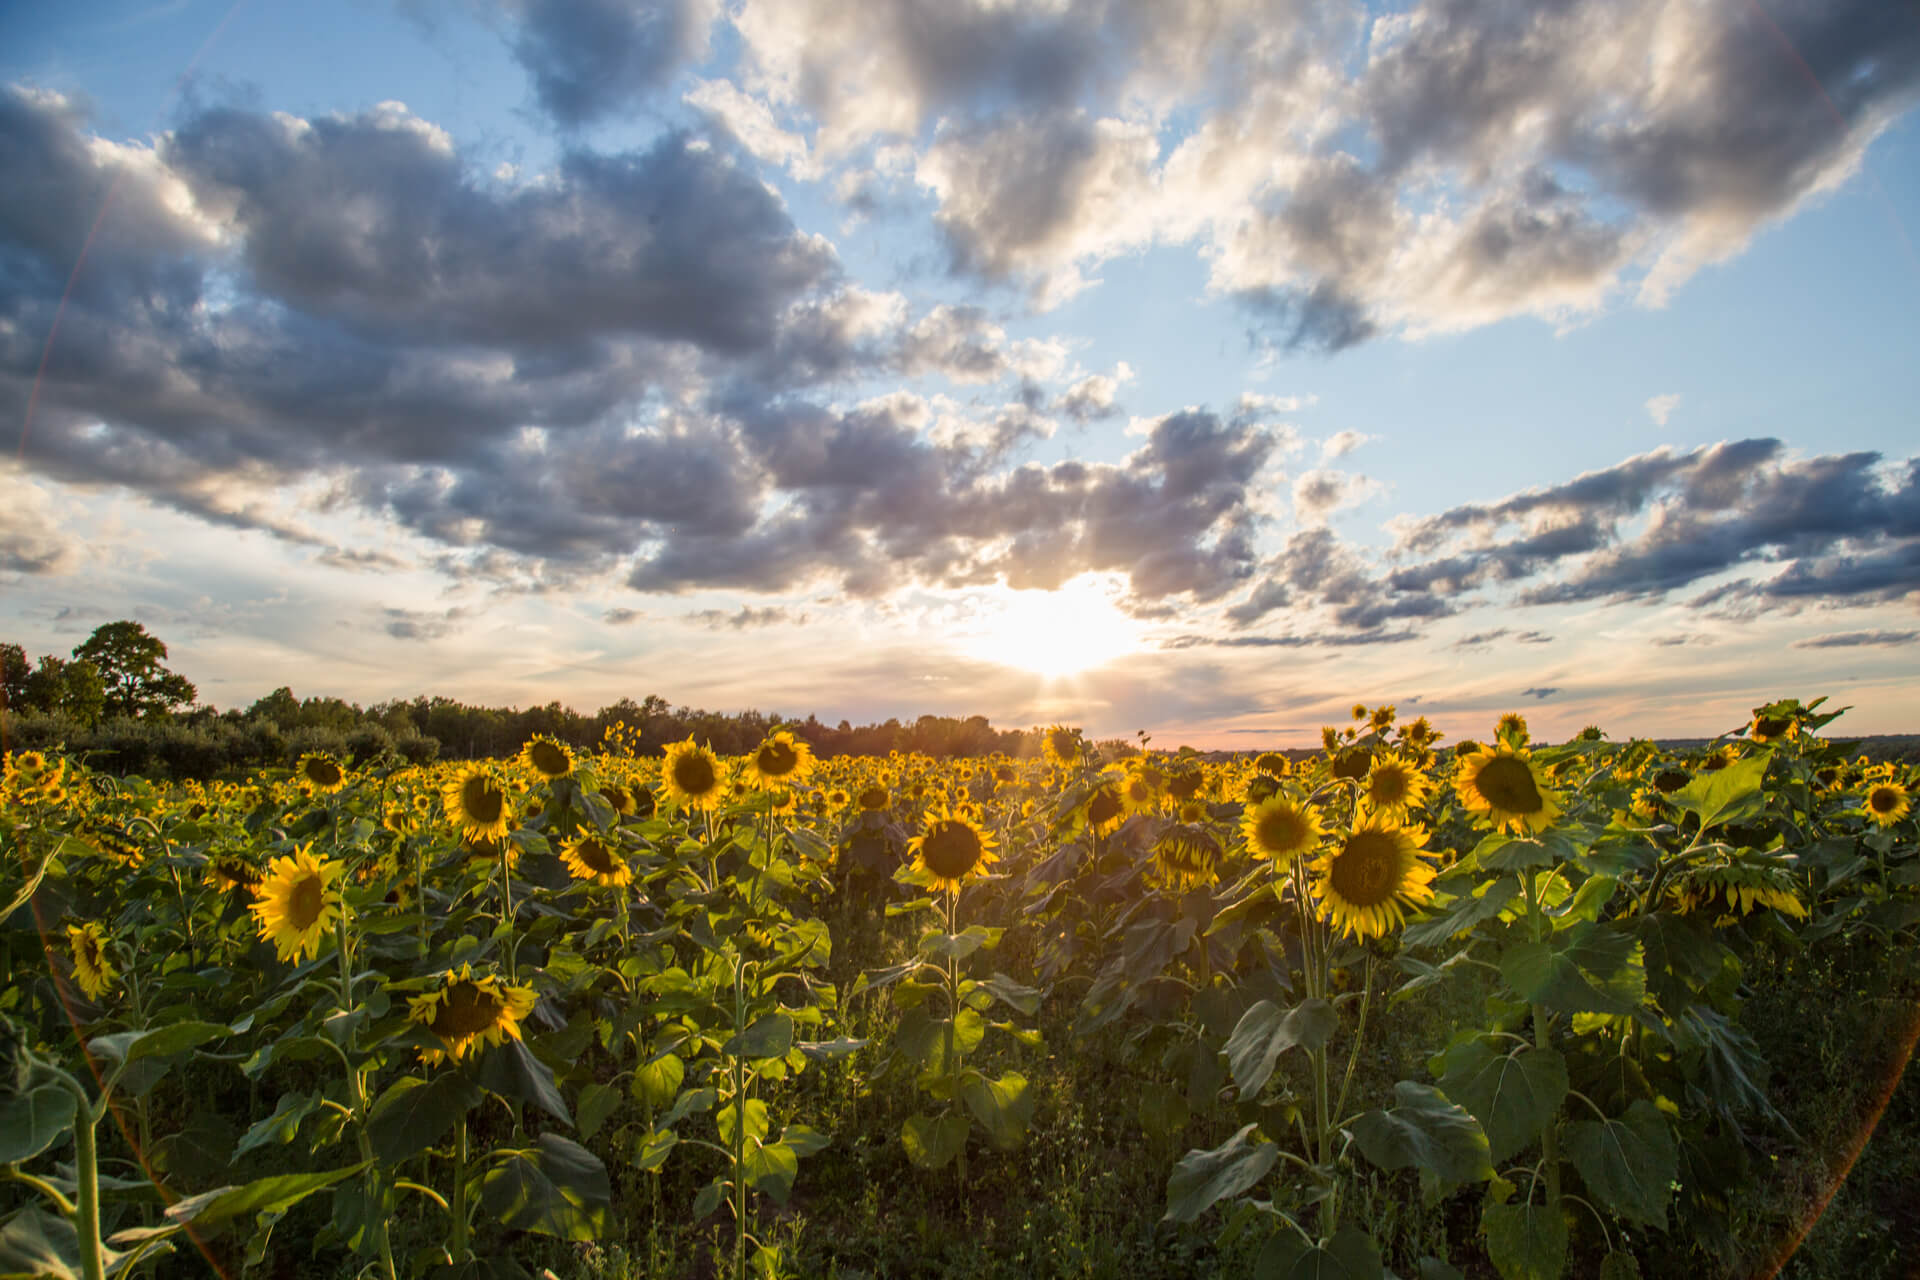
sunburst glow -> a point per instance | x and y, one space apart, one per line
1053 633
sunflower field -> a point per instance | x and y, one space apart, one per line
1396 1007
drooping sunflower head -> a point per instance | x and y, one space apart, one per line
693 776
1887 803
546 758
1187 784
1260 786
1395 786
1280 828
87 948
1185 857
477 803
591 858
1501 783
1353 764
1060 744
1382 718
1368 880
1273 764
467 1012
618 798
319 770
1104 810
1728 890
1512 730
950 849
296 903
1669 779
781 760
232 873
1772 728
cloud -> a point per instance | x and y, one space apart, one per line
1481 639
1331 641
417 624
31 541
1543 692
367 561
1688 638
745 618
591 59
1858 639
1660 408
1092 397
621 616
1342 443
1317 494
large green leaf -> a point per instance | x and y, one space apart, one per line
413 1114
933 1141
1590 968
768 1037
771 1167
656 1083
730 1116
1732 794
1424 1130
1629 1163
1469 910
33 1120
1265 1031
1004 1107
263 1195
1202 1178
1350 1255
1514 1096
511 1070
282 1125
1526 1241
129 1047
557 1188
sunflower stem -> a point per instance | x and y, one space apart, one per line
506 910
1542 1042
86 1173
458 1244
357 1092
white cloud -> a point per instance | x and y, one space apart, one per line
1661 407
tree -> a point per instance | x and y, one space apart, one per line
14 674
71 689
128 659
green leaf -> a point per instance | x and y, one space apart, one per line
263 1195
129 1047
828 1050
804 1140
510 1070
1425 1131
1432 1268
1629 1163
931 1142
33 1120
1732 794
656 1083
1004 1107
1591 968
1264 1032
652 1151
768 1037
770 1167
729 1116
597 1103
558 1188
689 1101
414 1114
1526 1241
1350 1255
1619 1266
709 1198
1514 1096
1023 998
282 1125
1470 910
36 1243
1203 1178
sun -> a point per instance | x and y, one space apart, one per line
1052 633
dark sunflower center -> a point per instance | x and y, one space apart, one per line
1771 726
618 798
1883 800
467 1010
1508 785
1139 791
1670 780
1185 857
324 773
1062 745
1367 869
87 952
642 803
777 759
1352 764
951 849
1281 829
1104 807
597 857
693 774
1261 788
304 901
482 801
1388 786
549 758
873 798
1271 764
1185 786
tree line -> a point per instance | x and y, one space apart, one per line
114 701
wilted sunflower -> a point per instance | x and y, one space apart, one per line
1353 764
1061 746
1501 783
780 761
1669 779
1512 729
589 857
319 770
1260 786
950 849
1394 786
546 757
1184 857
1382 718
1730 890
1887 803
1280 828
296 903
1766 728
1367 881
1104 810
693 776
232 873
477 804
468 1012
87 945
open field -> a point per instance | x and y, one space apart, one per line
1401 1006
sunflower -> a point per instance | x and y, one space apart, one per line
693 776
1353 764
1184 857
1191 811
1382 718
1366 882
1394 786
1501 783
1280 828
1420 733
232 873
1138 794
1260 786
589 858
873 799
1188 784
477 804
1669 779
1766 728
87 944
296 903
468 1012
618 798
1730 890
1887 803
951 848
319 770
1104 810
1359 711
546 757
781 760
1061 746
1273 764
1512 730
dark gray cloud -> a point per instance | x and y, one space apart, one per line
1542 692
745 618
590 59
1858 639
1327 641
419 624
1481 639
1686 638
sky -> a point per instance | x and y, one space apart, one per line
1197 368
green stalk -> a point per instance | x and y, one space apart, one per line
357 1093
1549 1140
459 1242
86 1175
506 909
739 1126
